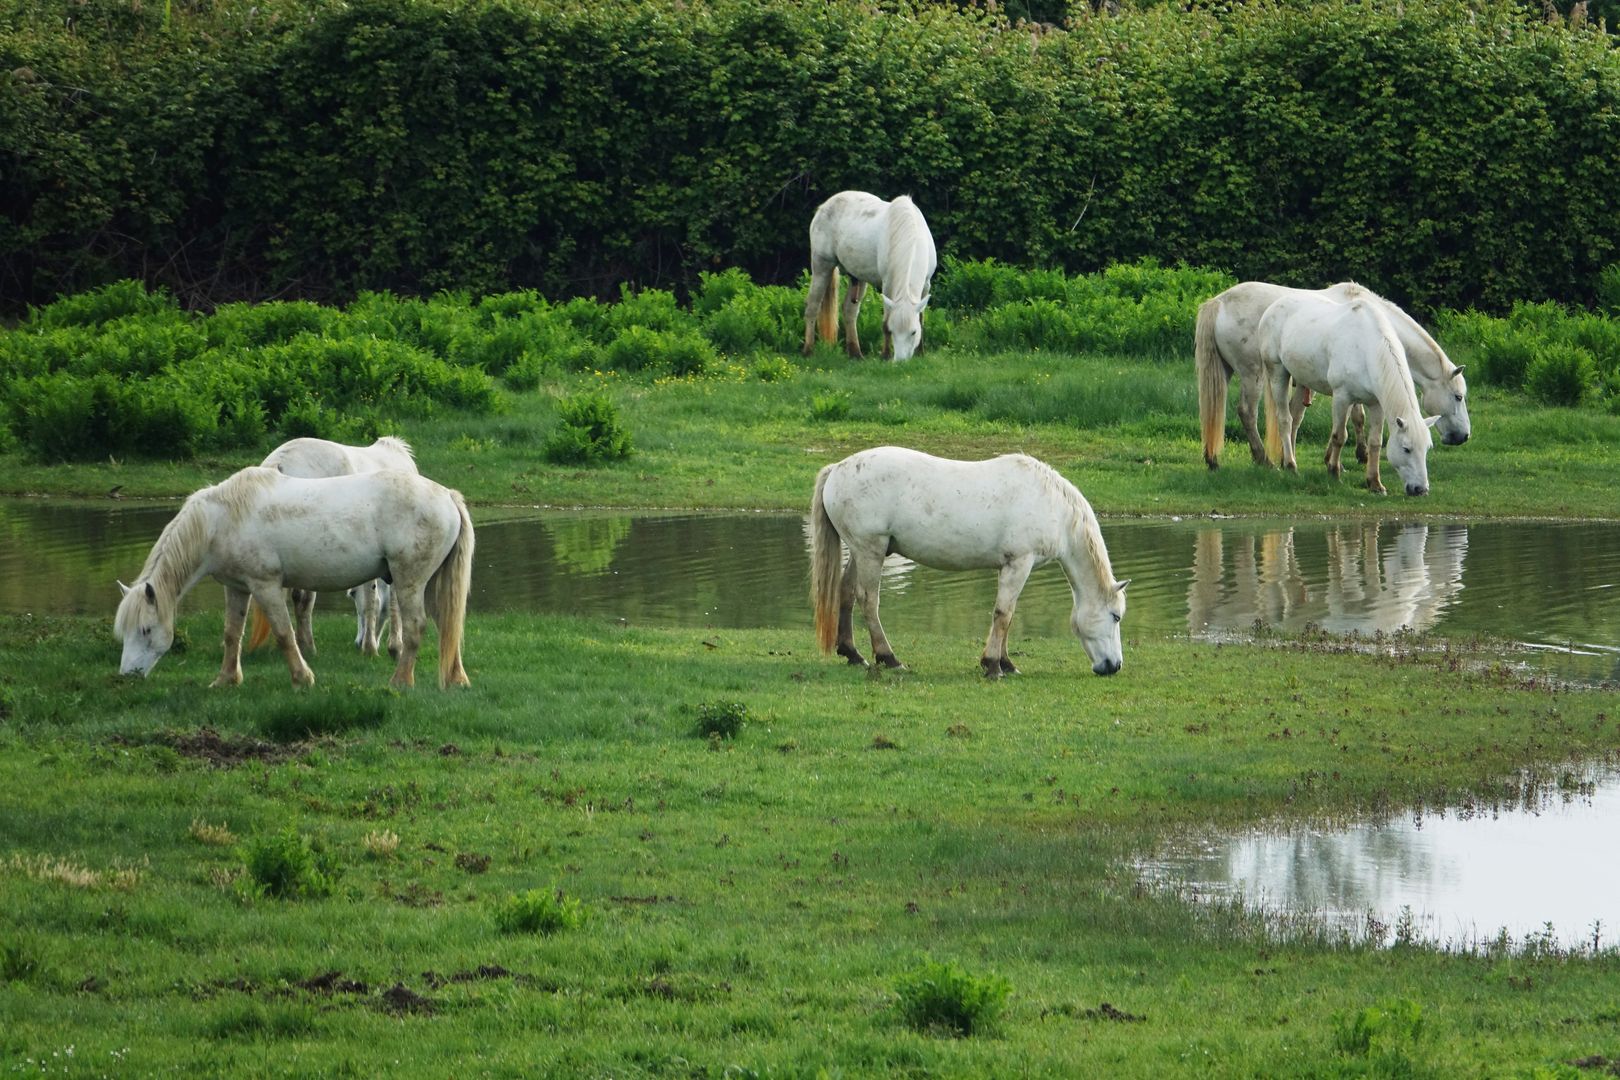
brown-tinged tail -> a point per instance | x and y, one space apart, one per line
827 316
446 599
1213 375
826 567
260 626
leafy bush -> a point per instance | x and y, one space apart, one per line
96 307
722 719
588 430
287 865
539 911
1561 375
659 352
940 997
1608 289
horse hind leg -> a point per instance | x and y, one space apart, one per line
1359 416
1248 410
846 616
868 575
230 668
852 312
274 604
1010 583
303 602
410 611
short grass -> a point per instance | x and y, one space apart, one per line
749 905
1125 429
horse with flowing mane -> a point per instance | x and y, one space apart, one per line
1012 513
1348 350
259 530
313 459
1226 341
886 244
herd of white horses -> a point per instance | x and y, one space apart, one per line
318 515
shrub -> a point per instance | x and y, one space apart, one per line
940 997
650 309
833 405
1608 289
1505 357
588 430
287 865
539 911
248 325
722 719
773 369
659 352
95 307
1561 375
1391 1028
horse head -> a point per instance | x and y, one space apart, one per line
902 319
1408 451
1448 399
1096 623
146 626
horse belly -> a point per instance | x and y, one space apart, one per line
326 570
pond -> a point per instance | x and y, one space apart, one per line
1554 588
1536 867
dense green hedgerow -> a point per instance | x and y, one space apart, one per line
1447 152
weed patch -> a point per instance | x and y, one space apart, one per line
942 998
287 865
539 911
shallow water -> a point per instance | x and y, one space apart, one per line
1539 867
1552 587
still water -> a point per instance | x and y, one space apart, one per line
1553 588
1533 866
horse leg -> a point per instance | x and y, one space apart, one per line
412 619
1280 380
274 604
230 669
1359 415
852 311
1375 442
820 279
396 640
1248 410
1336 440
868 574
846 616
1010 582
368 618
303 603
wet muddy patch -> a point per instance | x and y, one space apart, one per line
210 747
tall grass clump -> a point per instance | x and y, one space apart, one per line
539 911
941 997
287 865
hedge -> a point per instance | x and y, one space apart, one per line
1448 154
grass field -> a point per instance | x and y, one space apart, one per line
748 905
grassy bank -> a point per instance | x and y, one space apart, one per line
749 903
1124 429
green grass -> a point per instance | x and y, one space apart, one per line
756 903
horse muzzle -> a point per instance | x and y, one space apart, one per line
1417 489
1106 667
1454 438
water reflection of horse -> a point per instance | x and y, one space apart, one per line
886 244
259 530
1361 581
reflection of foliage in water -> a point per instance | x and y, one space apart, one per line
586 545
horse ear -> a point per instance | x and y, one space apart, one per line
1120 586
123 590
1400 422
1456 371
1432 420
151 594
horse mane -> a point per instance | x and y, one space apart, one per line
905 235
1082 521
394 442
1394 376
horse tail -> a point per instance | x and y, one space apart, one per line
826 567
1213 375
446 599
260 631
827 316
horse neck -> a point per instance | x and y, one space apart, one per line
179 558
1084 557
1395 394
904 250
1428 362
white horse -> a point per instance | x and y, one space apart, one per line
1348 350
1012 513
1226 341
260 530
313 459
886 244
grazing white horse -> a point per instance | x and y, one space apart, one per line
1226 340
259 530
312 459
1348 350
1012 513
886 244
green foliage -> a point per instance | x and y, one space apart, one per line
19 962
1446 155
941 997
96 307
830 406
1386 1034
1561 375
539 911
588 430
721 719
288 865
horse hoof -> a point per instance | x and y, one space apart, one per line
1007 667
852 654
890 661
992 668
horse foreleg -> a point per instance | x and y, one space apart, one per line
1375 442
1297 404
274 604
1359 415
852 312
1335 446
846 616
820 279
396 639
1248 410
303 604
230 668
1009 584
412 619
1280 380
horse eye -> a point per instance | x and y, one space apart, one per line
1115 614
1457 396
